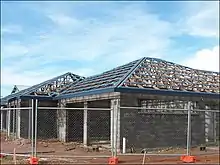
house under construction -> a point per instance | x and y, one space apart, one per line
146 82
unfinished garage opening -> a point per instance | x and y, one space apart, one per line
47 120
75 123
13 117
4 116
25 129
47 128
99 121
11 120
25 119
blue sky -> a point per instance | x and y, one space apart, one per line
40 40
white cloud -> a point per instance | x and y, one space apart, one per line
128 34
13 50
9 77
63 20
201 19
205 59
125 36
12 29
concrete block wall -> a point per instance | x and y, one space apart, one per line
156 130
215 106
211 124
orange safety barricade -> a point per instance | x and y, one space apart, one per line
188 159
113 160
33 160
2 155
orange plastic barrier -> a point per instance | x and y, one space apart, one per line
188 159
113 160
2 156
33 160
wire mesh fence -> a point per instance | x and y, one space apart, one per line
207 127
14 122
152 128
75 131
25 123
3 120
159 129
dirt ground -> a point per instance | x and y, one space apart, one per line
54 152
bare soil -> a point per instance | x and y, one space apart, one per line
54 152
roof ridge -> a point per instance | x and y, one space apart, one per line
130 72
